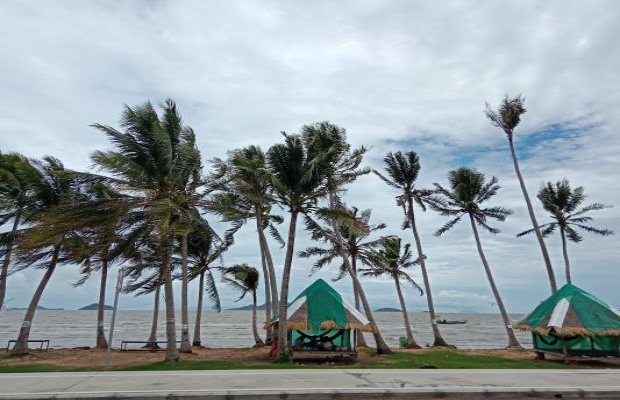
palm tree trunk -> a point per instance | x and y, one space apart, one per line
286 277
530 210
360 341
21 345
4 273
172 354
412 343
439 341
258 342
268 312
382 347
186 346
102 343
152 342
201 288
273 282
565 253
512 339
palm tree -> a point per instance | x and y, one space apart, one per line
204 248
298 183
355 241
328 144
39 246
156 162
393 260
563 203
468 192
244 279
507 117
403 170
244 193
16 197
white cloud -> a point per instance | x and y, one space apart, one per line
398 75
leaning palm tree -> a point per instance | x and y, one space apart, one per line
393 260
402 173
17 198
327 143
564 205
468 191
38 245
155 162
356 243
298 183
507 117
244 279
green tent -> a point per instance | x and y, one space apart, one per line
320 319
573 322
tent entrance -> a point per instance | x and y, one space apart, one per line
322 340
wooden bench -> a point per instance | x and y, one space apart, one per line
42 342
156 344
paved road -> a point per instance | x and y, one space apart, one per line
316 384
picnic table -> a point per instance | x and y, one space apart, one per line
41 342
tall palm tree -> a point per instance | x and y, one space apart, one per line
507 117
16 198
298 183
39 246
468 191
328 144
356 243
402 173
244 279
564 205
156 162
393 260
244 192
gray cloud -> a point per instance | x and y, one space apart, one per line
398 75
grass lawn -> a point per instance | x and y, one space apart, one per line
436 358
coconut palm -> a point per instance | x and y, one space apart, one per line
39 246
328 143
564 205
402 173
356 243
156 162
204 248
16 198
468 191
394 260
298 183
507 117
244 279
243 192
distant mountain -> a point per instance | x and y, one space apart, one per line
38 308
94 307
387 309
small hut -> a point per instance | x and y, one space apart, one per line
322 325
574 323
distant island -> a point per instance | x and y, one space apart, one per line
387 309
94 306
38 308
246 308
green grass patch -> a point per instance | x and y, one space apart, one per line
37 368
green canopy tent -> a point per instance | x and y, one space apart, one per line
321 324
574 323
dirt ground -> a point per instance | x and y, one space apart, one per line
93 358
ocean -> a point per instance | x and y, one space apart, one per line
72 328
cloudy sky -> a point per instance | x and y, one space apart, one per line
398 75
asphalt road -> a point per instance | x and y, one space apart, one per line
315 384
